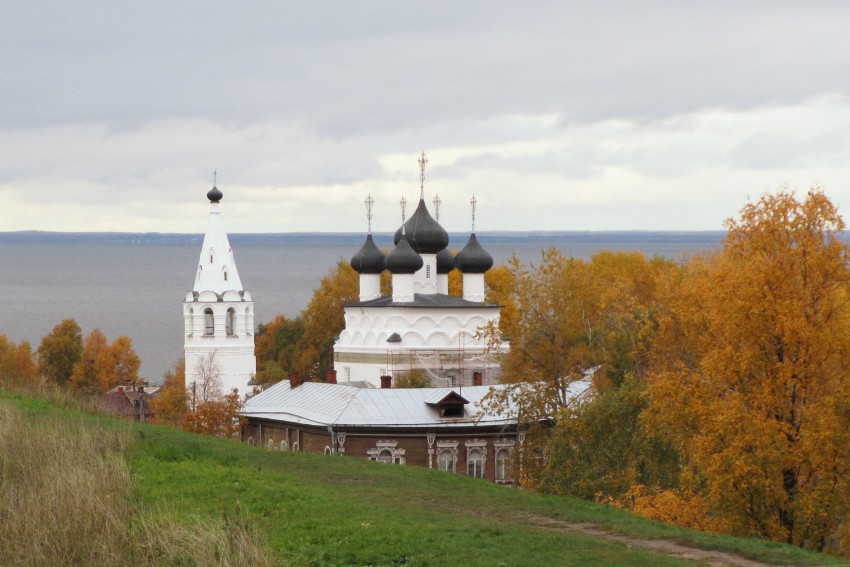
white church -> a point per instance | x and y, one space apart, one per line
218 317
420 327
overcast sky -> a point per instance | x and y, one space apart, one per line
555 115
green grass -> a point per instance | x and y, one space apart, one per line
318 510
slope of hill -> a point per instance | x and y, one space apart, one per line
308 509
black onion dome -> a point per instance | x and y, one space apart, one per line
368 260
445 261
473 259
423 232
403 259
214 195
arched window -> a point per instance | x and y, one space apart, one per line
446 460
228 322
209 322
503 464
385 456
212 256
475 463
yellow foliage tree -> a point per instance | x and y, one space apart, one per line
17 365
119 364
276 348
219 418
86 376
102 366
59 351
750 373
324 321
172 402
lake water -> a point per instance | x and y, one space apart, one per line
134 284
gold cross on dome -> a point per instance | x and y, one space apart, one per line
437 203
473 202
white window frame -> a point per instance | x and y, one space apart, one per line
382 446
447 447
503 476
479 445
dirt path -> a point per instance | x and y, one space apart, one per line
665 546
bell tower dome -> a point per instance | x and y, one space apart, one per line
218 315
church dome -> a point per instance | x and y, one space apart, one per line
445 261
214 195
423 232
473 259
369 259
403 259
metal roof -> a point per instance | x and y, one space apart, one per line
318 403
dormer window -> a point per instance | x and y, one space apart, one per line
449 404
451 411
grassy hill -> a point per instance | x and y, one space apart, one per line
303 509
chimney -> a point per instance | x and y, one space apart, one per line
295 380
120 391
477 379
386 381
331 376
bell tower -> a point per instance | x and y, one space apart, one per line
218 317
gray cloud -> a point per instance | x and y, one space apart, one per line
549 111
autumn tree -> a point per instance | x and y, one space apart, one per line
500 285
604 449
750 377
276 348
17 365
26 370
102 366
324 320
219 418
118 364
171 404
552 342
59 351
85 376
